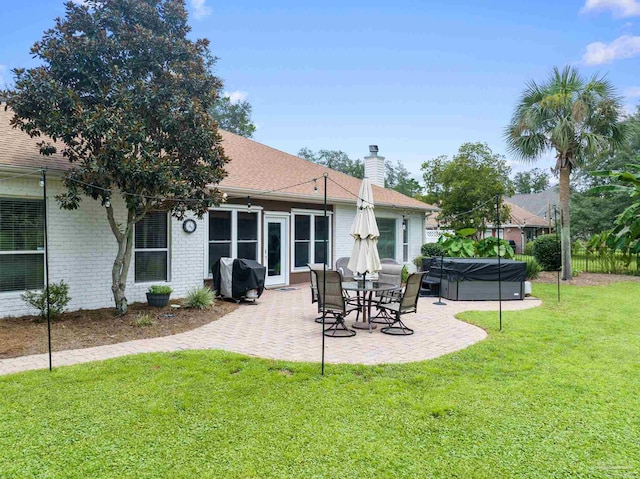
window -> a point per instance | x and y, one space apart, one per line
152 248
405 240
21 244
232 234
387 240
308 239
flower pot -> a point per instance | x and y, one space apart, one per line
158 300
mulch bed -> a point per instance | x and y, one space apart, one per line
86 328
586 279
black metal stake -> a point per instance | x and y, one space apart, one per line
440 302
324 268
46 265
499 259
555 214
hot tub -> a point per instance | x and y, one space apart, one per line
477 278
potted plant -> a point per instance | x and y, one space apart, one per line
158 295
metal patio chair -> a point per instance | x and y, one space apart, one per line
331 299
392 274
407 303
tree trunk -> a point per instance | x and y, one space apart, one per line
120 269
565 174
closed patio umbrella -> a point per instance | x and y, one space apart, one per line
364 256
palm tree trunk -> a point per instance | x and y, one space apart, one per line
565 174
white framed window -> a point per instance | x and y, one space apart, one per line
151 253
233 233
307 238
405 240
388 239
21 244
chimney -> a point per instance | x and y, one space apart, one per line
374 166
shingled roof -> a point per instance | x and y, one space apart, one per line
255 169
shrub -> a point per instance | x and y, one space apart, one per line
200 298
528 248
157 289
431 249
533 268
459 245
143 320
58 299
548 252
405 274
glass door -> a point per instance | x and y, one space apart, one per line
275 250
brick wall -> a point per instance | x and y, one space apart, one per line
82 249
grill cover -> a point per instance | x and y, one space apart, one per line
233 278
479 269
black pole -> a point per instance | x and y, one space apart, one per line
46 265
440 302
499 259
555 214
324 268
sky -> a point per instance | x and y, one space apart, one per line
417 78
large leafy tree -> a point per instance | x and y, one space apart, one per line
625 235
336 160
532 181
125 95
573 117
397 177
234 116
466 186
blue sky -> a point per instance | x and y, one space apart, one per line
416 78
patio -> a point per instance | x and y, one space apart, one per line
281 326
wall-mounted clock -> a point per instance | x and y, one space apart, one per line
189 226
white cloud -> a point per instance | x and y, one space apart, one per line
200 10
236 96
620 8
598 53
632 92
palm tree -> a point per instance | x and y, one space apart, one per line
573 117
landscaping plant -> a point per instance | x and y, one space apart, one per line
199 298
533 268
547 251
58 299
432 249
491 247
460 244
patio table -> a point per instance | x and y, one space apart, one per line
364 291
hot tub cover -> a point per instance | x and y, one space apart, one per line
479 269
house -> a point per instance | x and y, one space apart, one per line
274 213
541 204
523 226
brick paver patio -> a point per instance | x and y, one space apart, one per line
281 326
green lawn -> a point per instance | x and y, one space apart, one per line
557 394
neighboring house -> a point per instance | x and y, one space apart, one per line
282 228
540 204
523 226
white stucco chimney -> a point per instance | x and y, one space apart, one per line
374 166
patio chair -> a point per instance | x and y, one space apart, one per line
341 267
388 261
392 274
313 267
430 286
407 303
331 299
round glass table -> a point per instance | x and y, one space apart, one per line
365 290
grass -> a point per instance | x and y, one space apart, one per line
556 394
